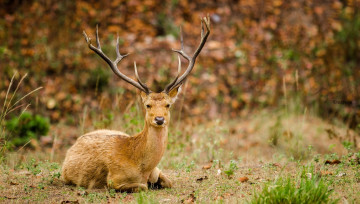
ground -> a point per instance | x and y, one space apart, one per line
213 161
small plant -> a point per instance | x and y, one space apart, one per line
95 197
33 167
41 186
27 189
308 189
190 167
9 105
232 168
54 176
112 193
26 127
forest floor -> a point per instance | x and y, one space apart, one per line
218 161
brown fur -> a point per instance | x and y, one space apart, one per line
120 161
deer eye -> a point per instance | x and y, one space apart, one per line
168 106
148 106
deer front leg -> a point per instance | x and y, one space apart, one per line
124 183
157 178
132 187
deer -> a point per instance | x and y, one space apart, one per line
114 159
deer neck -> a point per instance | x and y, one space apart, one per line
156 137
153 140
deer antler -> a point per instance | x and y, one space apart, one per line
179 80
113 64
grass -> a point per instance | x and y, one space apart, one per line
11 104
308 188
206 162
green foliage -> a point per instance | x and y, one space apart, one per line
95 197
349 35
190 167
231 169
112 193
308 189
26 127
33 167
165 26
348 145
106 121
99 79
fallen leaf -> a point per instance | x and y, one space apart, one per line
226 195
243 179
13 183
207 166
335 161
326 173
218 198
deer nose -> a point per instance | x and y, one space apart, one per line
159 120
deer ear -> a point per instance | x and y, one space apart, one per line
143 96
174 93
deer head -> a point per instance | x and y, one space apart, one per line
157 105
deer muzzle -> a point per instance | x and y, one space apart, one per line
159 120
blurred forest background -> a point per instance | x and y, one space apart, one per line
260 54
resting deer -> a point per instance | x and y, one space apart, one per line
120 161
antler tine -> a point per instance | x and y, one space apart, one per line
182 51
138 79
167 88
179 66
97 37
205 23
119 57
113 65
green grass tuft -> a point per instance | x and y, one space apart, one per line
308 189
